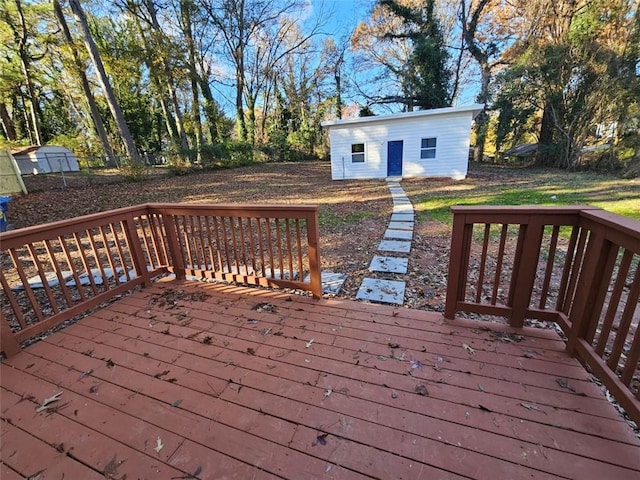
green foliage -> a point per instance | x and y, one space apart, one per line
134 171
228 154
427 80
560 86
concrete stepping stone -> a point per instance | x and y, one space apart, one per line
331 282
398 234
397 246
389 264
401 225
407 208
383 291
402 217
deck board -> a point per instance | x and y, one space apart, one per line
302 388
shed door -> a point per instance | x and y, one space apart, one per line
394 158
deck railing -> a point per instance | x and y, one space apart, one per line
51 273
576 266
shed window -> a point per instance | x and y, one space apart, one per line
357 152
428 148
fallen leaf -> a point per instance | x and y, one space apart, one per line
159 445
110 364
422 390
531 406
86 374
382 357
564 383
416 364
393 344
251 351
49 401
469 350
309 343
321 439
328 392
176 403
207 340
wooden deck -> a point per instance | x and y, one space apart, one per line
210 381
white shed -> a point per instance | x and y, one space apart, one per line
425 143
45 159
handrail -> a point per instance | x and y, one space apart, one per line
53 272
576 266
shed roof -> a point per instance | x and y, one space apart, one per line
32 148
24 150
474 109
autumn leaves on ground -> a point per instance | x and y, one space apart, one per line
353 214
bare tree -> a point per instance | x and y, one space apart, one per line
86 88
255 36
112 101
21 38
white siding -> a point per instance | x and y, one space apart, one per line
452 130
47 159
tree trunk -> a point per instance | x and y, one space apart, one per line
482 120
242 126
86 88
167 115
251 120
336 76
193 75
177 115
545 141
112 101
210 110
25 65
8 127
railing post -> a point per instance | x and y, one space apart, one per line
458 261
8 343
586 293
133 238
525 276
177 259
313 237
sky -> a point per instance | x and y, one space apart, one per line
343 15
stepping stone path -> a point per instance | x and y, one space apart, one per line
397 240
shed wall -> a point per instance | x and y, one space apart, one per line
47 159
452 131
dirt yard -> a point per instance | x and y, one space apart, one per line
353 214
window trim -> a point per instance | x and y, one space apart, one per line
357 154
428 149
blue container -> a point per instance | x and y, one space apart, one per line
4 206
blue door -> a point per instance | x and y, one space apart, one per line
394 159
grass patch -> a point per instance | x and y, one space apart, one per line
494 186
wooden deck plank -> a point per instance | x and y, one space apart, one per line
480 371
29 456
195 363
382 349
533 414
88 447
244 393
7 473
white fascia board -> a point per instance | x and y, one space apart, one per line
474 109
